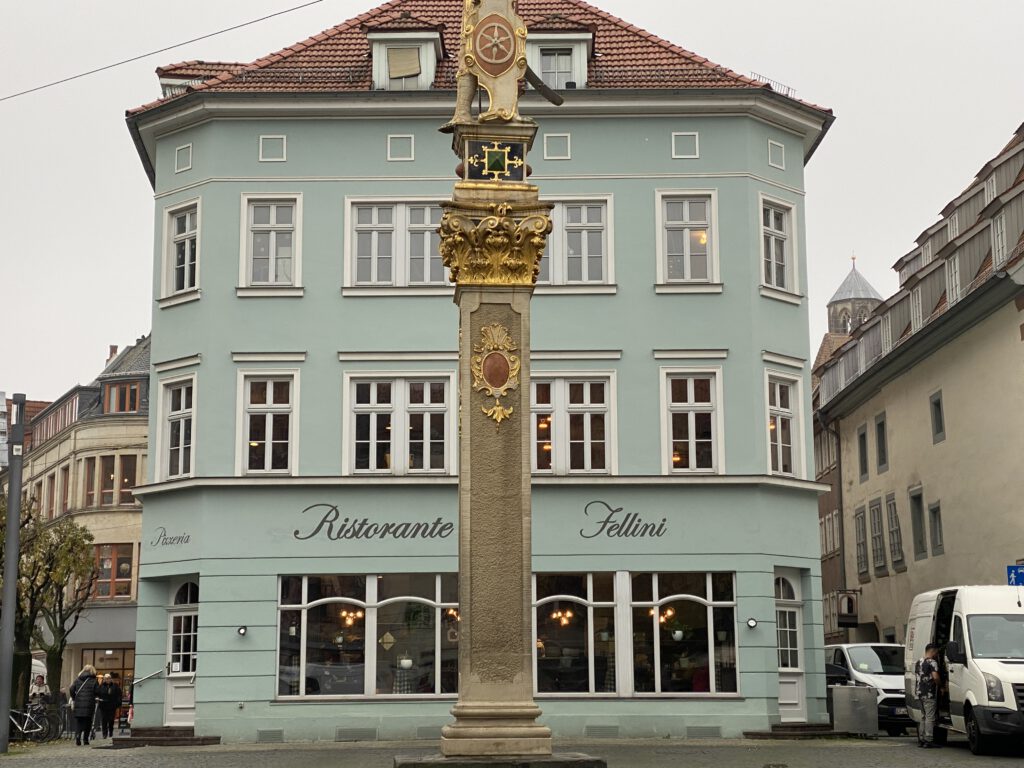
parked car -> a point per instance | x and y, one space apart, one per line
980 634
879 666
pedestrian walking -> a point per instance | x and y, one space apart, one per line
928 681
83 697
108 698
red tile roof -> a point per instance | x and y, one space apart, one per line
338 59
204 69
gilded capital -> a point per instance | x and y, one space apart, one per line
494 244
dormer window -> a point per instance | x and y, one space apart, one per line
560 58
404 61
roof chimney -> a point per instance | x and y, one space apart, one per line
113 352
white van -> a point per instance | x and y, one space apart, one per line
878 666
980 633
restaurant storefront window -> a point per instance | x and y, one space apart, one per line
397 634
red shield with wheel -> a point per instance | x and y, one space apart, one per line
494 43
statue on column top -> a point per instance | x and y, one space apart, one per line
492 54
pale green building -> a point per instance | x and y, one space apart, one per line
298 563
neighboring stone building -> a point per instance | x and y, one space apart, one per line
299 545
926 396
88 456
32 407
848 308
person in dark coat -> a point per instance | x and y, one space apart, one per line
109 700
83 696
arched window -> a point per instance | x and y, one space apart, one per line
783 589
187 594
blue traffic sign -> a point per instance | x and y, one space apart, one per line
1015 575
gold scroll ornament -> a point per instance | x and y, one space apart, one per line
493 247
495 369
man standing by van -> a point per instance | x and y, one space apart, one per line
927 670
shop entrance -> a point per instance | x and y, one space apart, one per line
789 631
182 642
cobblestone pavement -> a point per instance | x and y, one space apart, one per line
878 753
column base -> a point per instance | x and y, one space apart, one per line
495 729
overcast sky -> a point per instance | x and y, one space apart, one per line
924 93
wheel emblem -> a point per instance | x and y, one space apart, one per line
495 43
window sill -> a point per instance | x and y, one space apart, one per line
576 288
179 298
899 567
689 288
779 295
881 571
863 578
284 291
398 290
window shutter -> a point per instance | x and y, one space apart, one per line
403 62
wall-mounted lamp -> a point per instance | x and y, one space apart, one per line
243 630
751 623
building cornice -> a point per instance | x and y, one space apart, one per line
803 120
378 481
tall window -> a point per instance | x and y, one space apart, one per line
570 425
271 242
89 482
179 429
881 444
556 67
396 244
401 426
687 244
128 466
684 633
862 544
775 226
780 425
185 255
51 495
895 536
938 417
691 413
268 421
114 571
108 477
122 397
862 451
574 616
877 535
999 239
935 527
577 250
65 487
787 625
919 525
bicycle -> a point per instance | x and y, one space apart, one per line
26 726
40 711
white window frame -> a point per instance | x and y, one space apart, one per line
168 296
578 42
163 425
792 250
999 249
394 156
916 310
717 422
782 150
560 410
242 422
677 155
429 45
549 154
953 226
797 414
713 282
181 167
557 249
953 278
399 283
245 285
264 158
990 189
400 409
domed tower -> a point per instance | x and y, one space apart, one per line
852 303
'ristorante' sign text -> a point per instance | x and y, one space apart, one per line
332 526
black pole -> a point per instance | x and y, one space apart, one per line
12 547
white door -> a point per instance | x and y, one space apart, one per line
182 650
789 633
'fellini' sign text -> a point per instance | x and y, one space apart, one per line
333 527
611 522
